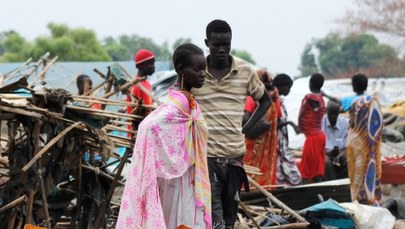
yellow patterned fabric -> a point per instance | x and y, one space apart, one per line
364 151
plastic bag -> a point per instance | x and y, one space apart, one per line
370 217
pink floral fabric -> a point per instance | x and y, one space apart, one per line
169 142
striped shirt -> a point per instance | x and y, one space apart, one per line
222 103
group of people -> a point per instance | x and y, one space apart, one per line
187 164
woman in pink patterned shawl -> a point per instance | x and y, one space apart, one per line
168 184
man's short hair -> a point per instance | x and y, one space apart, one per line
282 80
359 82
80 79
317 80
218 26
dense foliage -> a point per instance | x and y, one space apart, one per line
80 44
337 56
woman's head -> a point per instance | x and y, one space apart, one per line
189 63
265 77
283 83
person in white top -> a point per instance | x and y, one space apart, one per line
336 128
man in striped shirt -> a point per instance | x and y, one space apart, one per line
228 82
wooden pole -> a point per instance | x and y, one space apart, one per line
97 171
112 127
11 74
49 145
11 219
44 200
79 192
35 134
20 111
36 65
111 191
30 203
103 112
93 89
108 101
248 214
275 200
124 87
42 73
13 203
301 225
100 73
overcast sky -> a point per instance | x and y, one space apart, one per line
273 32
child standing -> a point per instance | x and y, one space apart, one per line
312 110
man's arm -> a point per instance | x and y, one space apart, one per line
264 104
257 129
334 99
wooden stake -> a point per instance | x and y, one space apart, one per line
40 75
111 191
49 145
30 203
104 113
11 74
275 200
37 64
14 203
79 192
248 214
97 171
35 134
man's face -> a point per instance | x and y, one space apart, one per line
148 67
219 45
332 114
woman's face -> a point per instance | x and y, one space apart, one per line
194 74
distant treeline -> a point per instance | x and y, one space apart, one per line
333 55
81 44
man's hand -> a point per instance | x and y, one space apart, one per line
335 151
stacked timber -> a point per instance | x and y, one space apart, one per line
56 151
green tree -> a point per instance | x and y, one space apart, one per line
308 63
343 56
180 41
115 50
14 47
70 44
3 36
243 55
125 47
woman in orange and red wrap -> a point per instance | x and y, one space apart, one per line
261 142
